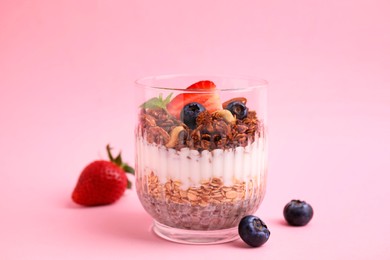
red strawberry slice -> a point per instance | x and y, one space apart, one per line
204 84
210 101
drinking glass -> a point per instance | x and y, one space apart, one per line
201 154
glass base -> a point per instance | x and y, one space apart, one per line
195 237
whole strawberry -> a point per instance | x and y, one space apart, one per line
102 182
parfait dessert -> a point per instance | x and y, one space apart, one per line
200 160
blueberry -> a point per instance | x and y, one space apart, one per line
298 213
190 112
253 231
238 109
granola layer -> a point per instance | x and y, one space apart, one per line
212 131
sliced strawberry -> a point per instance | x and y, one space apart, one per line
204 84
210 101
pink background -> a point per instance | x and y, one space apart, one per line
66 75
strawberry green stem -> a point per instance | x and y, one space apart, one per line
118 161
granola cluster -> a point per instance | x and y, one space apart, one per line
213 131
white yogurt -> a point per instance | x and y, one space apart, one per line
191 167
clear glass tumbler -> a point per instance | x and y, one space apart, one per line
201 154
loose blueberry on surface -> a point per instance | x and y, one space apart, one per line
298 213
238 109
253 231
190 112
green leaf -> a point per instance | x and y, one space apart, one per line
168 99
128 169
118 159
157 102
151 103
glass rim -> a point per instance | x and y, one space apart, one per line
147 82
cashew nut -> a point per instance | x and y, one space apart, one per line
226 115
174 136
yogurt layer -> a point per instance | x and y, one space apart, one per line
191 167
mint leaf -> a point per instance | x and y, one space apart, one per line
168 99
157 102
151 103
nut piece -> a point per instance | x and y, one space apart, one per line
174 136
239 99
226 115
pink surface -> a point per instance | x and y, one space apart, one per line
66 73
